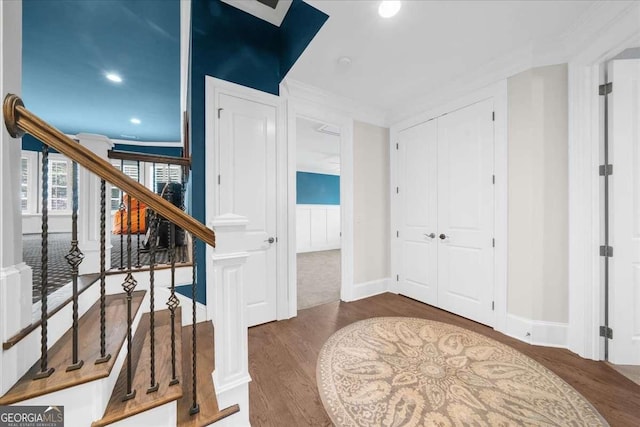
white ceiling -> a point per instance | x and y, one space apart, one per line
317 152
428 45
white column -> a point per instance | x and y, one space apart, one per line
89 207
15 275
227 308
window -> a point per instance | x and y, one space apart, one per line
24 184
167 173
60 182
29 182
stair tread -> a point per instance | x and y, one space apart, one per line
88 351
117 409
209 410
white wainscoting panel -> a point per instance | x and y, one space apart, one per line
317 227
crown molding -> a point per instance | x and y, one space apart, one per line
359 111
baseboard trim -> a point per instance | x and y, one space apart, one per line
371 288
537 332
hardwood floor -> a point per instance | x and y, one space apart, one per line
283 355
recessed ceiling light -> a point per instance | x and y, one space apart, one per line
344 61
113 77
389 8
135 121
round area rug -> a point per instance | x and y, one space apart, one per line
396 371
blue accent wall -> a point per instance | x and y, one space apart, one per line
232 45
317 189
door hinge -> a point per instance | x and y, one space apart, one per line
397 277
493 179
397 233
493 305
493 242
219 111
605 89
606 251
218 179
605 170
493 116
606 332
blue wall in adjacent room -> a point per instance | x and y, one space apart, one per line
317 189
235 46
30 143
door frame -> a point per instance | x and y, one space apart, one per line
586 126
213 89
316 112
497 91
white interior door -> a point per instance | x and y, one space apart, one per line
624 207
247 187
465 212
418 212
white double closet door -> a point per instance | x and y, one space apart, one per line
446 215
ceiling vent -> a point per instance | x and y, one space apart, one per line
329 130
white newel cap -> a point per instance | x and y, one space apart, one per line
230 232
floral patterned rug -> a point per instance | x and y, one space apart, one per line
396 371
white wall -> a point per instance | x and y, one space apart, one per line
371 202
538 194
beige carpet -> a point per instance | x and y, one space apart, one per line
319 278
394 371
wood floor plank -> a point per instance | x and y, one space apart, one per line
88 350
206 398
141 367
283 356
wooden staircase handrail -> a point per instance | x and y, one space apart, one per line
149 158
19 120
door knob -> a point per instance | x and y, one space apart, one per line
430 235
270 240
443 236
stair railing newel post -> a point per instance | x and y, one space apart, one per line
195 407
173 303
153 241
45 371
74 258
104 357
129 285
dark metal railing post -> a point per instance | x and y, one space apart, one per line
120 211
129 285
138 210
195 407
173 302
45 371
153 241
74 259
104 357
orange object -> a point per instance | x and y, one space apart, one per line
138 210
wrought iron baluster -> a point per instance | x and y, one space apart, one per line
45 371
129 285
173 302
153 240
183 252
104 357
195 407
121 212
138 221
74 259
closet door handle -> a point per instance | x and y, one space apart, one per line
443 236
430 235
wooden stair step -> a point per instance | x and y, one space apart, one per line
116 408
59 355
206 398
